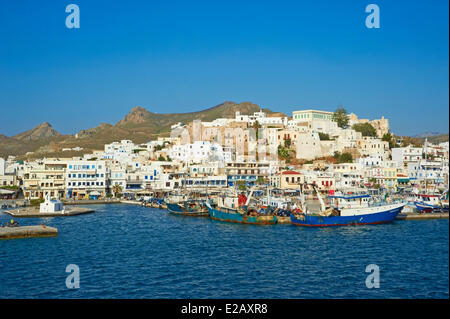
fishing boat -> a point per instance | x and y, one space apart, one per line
349 208
428 202
444 200
188 208
234 209
281 206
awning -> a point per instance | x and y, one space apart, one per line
7 192
94 193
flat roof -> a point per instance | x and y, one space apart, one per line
316 111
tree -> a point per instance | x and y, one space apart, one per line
343 158
283 152
161 158
366 129
117 189
389 138
340 116
287 143
346 158
324 136
260 180
256 127
242 185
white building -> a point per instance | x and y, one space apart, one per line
308 146
86 179
51 205
198 152
368 145
407 155
2 166
261 118
371 161
312 116
119 150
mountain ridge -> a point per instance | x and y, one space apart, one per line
139 125
43 130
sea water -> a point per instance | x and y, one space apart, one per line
125 251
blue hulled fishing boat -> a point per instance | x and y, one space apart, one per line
349 209
425 202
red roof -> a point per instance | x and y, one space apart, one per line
291 173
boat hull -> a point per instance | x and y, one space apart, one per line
235 217
178 210
425 207
383 216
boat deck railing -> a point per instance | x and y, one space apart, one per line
384 203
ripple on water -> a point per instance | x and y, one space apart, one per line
136 252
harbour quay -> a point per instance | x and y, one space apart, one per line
422 216
27 231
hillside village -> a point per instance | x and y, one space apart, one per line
333 150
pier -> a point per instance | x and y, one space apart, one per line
34 212
91 201
422 216
27 231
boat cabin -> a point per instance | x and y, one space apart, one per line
349 200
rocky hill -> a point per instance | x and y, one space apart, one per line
42 131
139 125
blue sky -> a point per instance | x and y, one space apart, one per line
182 56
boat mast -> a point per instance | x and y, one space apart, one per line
426 173
322 204
249 197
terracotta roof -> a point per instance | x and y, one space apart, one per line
291 173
